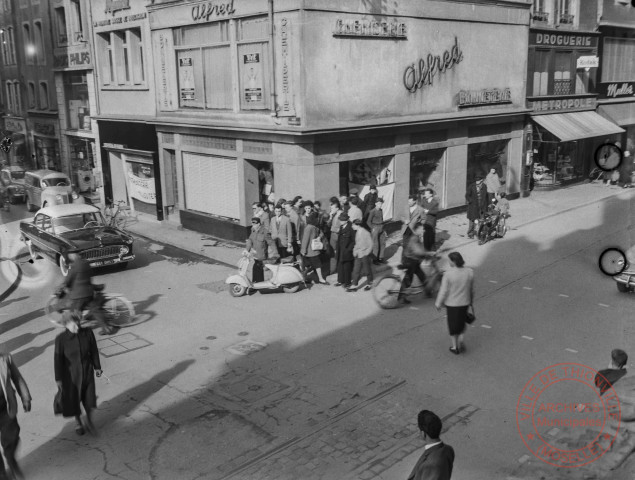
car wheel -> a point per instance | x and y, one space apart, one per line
622 288
64 267
29 206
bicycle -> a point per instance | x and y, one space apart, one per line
386 289
118 310
116 214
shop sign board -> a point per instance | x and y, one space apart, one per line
120 20
617 89
113 6
186 78
423 71
14 125
370 29
44 128
562 104
588 61
287 108
209 11
69 59
471 98
252 69
569 39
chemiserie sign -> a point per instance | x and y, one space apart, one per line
470 98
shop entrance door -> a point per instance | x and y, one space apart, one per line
259 182
118 178
170 186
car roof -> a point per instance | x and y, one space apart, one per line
14 168
46 173
67 209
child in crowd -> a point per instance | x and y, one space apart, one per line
503 205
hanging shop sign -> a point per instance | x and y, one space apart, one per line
252 81
471 98
16 126
369 29
588 61
422 72
562 39
287 108
562 104
617 90
186 78
141 188
208 11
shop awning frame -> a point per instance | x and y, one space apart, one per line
572 126
619 113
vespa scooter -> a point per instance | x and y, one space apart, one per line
285 276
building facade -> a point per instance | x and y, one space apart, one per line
272 99
562 91
616 86
31 103
75 89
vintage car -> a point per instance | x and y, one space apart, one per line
75 228
12 182
625 280
48 187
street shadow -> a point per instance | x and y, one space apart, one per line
141 307
13 300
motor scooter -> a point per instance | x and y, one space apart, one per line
286 276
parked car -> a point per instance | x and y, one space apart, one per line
75 228
12 182
48 187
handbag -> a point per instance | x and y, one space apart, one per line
57 403
316 244
470 316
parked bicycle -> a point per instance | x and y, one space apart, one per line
118 310
386 289
116 214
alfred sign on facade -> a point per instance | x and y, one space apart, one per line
422 72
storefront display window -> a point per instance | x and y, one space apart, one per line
141 186
426 171
78 108
17 154
481 157
82 162
371 171
556 162
47 153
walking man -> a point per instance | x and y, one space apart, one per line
430 206
476 197
344 252
437 459
414 218
355 212
375 223
11 380
361 251
282 232
260 240
296 225
413 253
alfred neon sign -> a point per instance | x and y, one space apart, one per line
422 73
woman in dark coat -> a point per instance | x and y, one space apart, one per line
76 364
344 252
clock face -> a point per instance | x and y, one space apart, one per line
608 156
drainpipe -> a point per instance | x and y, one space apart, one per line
272 54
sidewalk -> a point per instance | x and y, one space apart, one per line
451 230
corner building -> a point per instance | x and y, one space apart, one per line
272 99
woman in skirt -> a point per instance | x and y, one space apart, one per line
456 294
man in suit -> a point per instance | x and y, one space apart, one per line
430 206
260 240
376 224
437 459
476 197
282 232
81 293
11 379
344 252
415 216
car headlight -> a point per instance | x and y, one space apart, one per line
59 198
123 250
75 196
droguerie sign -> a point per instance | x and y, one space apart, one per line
422 73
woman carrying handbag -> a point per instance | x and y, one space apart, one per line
312 245
457 294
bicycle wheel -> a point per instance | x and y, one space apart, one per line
51 311
386 291
120 312
120 222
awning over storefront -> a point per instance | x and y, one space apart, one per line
576 125
620 113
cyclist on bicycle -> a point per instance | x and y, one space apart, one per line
413 253
81 292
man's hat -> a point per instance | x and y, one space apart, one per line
372 187
344 216
379 199
255 219
354 191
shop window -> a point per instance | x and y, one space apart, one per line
615 67
370 171
210 185
44 96
426 171
39 43
541 73
121 58
585 77
141 185
78 107
31 95
562 73
482 157
59 19
205 70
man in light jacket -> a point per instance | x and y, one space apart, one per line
282 232
11 379
361 251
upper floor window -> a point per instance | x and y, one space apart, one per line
29 47
541 73
8 46
39 43
540 12
564 12
555 73
59 22
617 60
44 96
31 95
121 58
206 56
562 73
77 23
14 100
